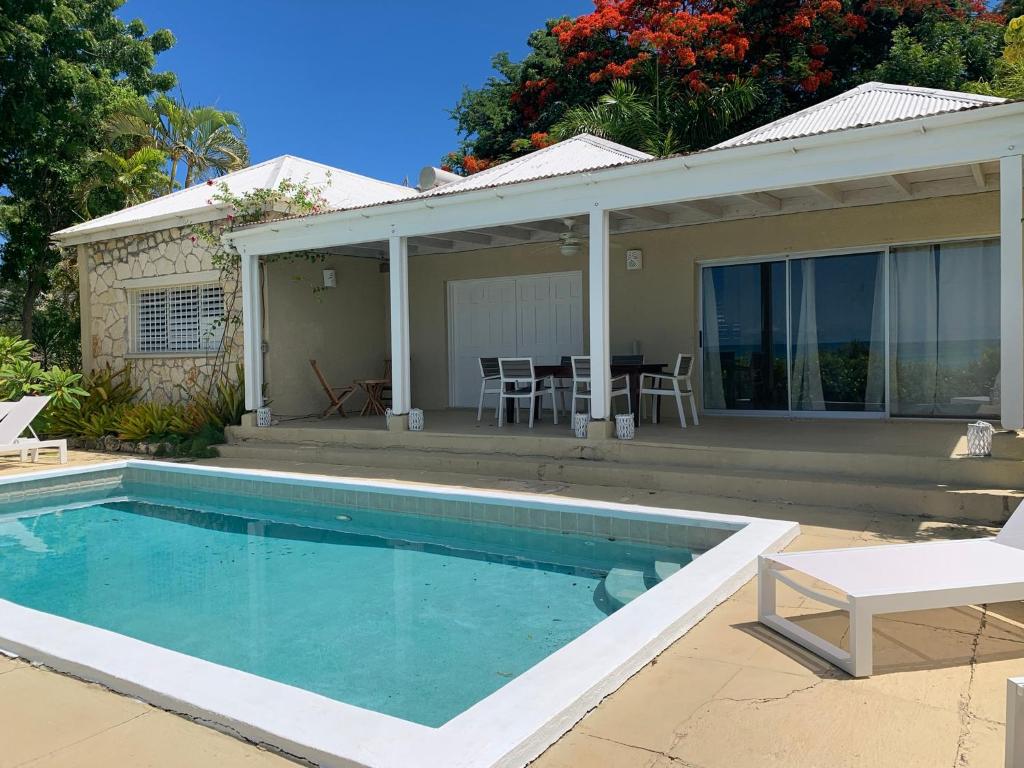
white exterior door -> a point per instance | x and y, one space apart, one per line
538 316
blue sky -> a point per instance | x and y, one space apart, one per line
364 86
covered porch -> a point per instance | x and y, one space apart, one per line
757 242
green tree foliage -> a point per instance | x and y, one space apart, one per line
65 66
940 54
1008 80
792 53
663 118
205 140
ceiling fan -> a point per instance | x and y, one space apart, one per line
572 243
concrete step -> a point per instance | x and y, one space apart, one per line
1006 473
910 497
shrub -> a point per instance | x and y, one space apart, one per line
155 421
110 393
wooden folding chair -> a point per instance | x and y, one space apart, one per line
337 395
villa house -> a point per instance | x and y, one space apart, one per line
859 259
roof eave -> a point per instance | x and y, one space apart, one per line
395 210
202 215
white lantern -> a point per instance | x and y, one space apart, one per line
625 427
416 420
979 438
263 417
580 423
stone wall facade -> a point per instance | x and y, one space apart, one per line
111 269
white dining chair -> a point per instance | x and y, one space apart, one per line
581 385
677 385
490 376
518 381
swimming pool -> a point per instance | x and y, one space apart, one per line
352 622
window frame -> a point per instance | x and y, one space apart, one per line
179 311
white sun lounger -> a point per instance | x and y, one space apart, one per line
15 419
894 578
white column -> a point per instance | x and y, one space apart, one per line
398 256
252 332
600 356
1011 296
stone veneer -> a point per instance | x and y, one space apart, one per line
105 315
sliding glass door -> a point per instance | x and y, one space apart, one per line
837 327
744 334
945 329
912 331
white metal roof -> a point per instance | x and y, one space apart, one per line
868 104
341 188
577 154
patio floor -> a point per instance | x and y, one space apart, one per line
934 438
727 694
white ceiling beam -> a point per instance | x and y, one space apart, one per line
508 231
830 191
652 215
979 175
764 200
705 206
435 242
555 227
470 237
901 183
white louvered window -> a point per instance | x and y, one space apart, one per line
184 318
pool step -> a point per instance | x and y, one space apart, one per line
622 585
865 493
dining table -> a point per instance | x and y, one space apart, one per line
632 370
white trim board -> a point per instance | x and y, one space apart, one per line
508 728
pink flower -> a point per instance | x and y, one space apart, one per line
193 238
209 182
231 217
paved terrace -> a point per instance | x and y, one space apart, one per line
727 694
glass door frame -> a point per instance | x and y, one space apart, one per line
787 257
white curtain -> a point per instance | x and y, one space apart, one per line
807 389
915 330
714 393
874 396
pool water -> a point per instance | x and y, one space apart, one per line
419 623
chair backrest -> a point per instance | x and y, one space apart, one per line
321 379
1012 534
684 365
489 368
581 368
20 416
566 361
516 368
627 359
387 369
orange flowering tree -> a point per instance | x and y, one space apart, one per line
796 52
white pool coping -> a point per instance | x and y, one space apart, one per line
508 728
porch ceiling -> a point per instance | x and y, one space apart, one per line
933 182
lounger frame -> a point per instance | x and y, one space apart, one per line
862 609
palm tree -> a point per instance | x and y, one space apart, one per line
664 119
206 140
135 177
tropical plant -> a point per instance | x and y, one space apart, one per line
225 405
110 392
154 421
205 140
135 177
21 375
663 119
